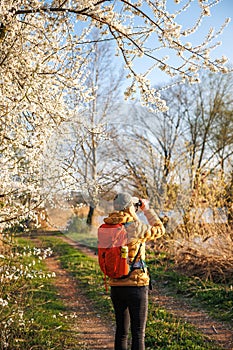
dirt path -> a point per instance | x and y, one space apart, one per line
94 334
214 330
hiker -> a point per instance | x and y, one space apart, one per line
129 294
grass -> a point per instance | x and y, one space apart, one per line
166 332
85 270
80 232
163 330
215 298
45 326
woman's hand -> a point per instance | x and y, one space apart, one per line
144 204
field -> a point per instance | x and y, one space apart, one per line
50 322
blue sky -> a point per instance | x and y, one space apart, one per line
218 15
220 12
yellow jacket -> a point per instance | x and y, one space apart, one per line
138 233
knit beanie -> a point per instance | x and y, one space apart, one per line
123 201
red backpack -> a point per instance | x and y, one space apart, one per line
112 260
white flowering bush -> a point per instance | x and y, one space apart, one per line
18 268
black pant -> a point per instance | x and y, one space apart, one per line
131 306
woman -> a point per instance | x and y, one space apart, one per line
130 295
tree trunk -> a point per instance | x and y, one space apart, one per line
90 215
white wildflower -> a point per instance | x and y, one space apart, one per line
3 302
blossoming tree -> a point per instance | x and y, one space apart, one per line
44 49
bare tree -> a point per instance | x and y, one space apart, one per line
153 156
177 155
208 140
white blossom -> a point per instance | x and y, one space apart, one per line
44 59
3 302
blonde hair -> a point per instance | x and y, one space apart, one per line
132 212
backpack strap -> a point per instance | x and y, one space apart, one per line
135 258
143 265
131 269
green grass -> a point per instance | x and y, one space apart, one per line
85 270
216 298
80 232
88 240
163 330
45 326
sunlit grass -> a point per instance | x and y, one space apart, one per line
44 323
216 298
163 330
